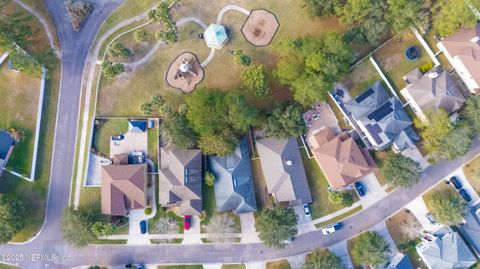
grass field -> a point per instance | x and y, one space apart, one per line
183 266
233 266
282 264
391 58
339 217
20 93
318 184
208 202
123 96
105 130
440 187
153 145
361 77
472 172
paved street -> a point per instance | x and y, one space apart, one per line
49 250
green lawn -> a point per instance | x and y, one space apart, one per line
391 58
338 114
472 172
90 197
361 77
321 206
339 217
440 187
282 264
379 157
153 145
6 266
106 129
233 266
208 203
197 266
19 104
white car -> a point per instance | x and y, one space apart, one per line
332 228
306 210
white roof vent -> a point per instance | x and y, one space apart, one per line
476 39
433 74
289 163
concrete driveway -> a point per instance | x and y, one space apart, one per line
247 224
192 235
135 237
419 210
466 185
381 229
340 249
373 191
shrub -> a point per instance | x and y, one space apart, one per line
146 108
341 198
118 50
140 36
168 37
241 58
148 211
209 178
111 69
78 12
425 67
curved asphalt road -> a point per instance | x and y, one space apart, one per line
48 250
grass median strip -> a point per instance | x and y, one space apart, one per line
339 217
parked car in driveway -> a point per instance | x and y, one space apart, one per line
187 220
430 218
456 182
332 228
143 227
360 188
306 210
465 195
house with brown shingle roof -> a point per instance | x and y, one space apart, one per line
180 180
340 158
432 91
462 50
123 188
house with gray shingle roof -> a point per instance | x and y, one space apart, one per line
431 91
234 189
7 142
180 180
446 252
283 170
382 118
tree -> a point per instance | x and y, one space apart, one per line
168 37
321 259
458 142
318 8
255 80
17 134
472 112
111 69
310 66
435 130
118 50
285 121
140 35
101 229
24 63
176 130
406 13
341 198
146 108
240 58
222 143
276 225
366 19
12 217
447 207
370 249
219 118
76 226
450 15
209 178
401 171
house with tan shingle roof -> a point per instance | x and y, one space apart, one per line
462 50
432 91
123 188
340 158
180 180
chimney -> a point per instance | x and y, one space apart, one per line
289 163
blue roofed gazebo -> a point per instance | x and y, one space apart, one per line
215 36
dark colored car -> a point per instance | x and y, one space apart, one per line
465 195
187 220
143 227
456 182
118 137
359 187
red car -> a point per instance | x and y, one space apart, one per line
186 222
